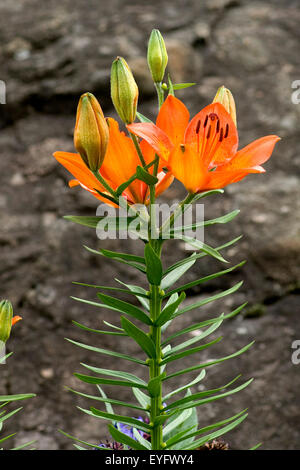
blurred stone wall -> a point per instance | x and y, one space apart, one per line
50 53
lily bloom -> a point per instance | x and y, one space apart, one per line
121 161
203 153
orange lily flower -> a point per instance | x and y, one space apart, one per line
15 319
120 164
202 153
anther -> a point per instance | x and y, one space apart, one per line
198 127
218 126
205 122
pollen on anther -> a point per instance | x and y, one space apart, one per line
198 127
205 122
218 126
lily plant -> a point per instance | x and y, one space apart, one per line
128 171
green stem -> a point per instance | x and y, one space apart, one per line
160 93
155 369
138 149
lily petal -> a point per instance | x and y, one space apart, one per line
256 153
173 119
157 138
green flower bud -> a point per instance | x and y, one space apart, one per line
6 315
225 97
124 90
91 132
157 56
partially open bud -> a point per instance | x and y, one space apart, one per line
157 56
124 90
91 133
224 96
6 320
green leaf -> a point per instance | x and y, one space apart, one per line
209 299
137 293
211 363
192 397
139 337
119 223
204 323
140 293
180 86
142 118
188 423
256 446
108 406
99 380
154 266
200 255
214 435
106 352
155 384
181 436
81 442
21 396
125 439
115 373
174 357
141 439
213 398
133 263
219 220
184 387
118 256
195 339
189 285
103 332
107 400
143 175
169 311
173 276
141 397
8 415
201 246
119 418
124 307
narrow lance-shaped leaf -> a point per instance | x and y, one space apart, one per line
125 439
153 266
143 340
169 311
124 307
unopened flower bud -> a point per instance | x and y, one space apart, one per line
91 133
6 320
157 56
124 90
224 96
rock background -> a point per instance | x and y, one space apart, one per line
49 55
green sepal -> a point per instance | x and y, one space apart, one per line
153 266
143 340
